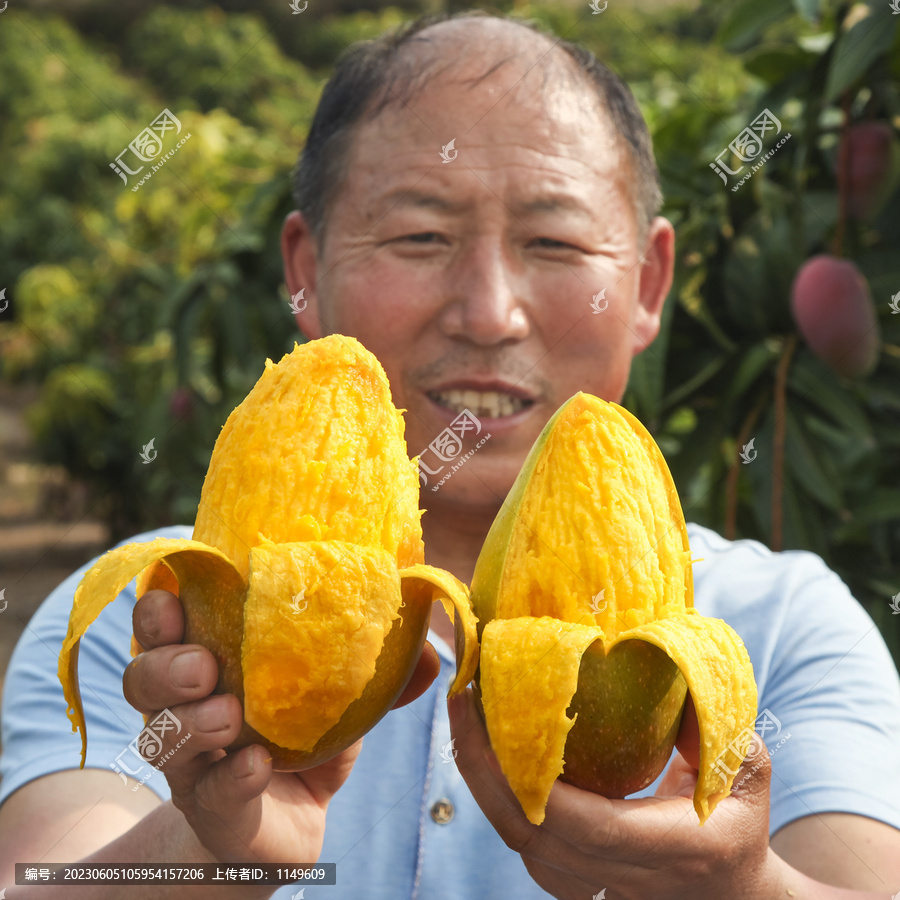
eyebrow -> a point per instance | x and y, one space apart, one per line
422 199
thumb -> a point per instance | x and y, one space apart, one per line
688 740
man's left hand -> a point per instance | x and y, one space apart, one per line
638 848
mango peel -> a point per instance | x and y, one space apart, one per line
305 576
584 597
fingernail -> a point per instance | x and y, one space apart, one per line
212 715
246 764
182 669
457 708
149 622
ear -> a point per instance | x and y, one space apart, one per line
299 254
657 268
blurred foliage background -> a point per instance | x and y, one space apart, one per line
147 314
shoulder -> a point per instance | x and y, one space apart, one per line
753 588
796 616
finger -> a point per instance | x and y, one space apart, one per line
688 740
158 619
680 779
427 669
324 780
222 804
179 740
633 829
168 676
481 771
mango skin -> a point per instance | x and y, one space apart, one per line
213 612
629 703
628 708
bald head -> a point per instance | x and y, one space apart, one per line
472 48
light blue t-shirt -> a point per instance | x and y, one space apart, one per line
825 677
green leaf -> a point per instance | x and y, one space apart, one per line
697 380
747 19
884 507
856 50
752 363
774 63
814 381
805 466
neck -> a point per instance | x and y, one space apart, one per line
453 540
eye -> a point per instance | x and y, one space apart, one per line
553 244
422 237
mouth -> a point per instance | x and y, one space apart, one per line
481 403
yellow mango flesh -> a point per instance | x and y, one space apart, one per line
592 520
336 596
529 737
311 457
305 578
590 551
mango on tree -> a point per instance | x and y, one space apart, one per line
305 576
584 597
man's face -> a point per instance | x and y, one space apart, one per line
472 280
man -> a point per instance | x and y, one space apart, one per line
471 280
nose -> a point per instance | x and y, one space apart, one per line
484 305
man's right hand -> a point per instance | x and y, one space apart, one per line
237 806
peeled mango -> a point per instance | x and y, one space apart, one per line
305 576
589 642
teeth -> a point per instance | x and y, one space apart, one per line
483 404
